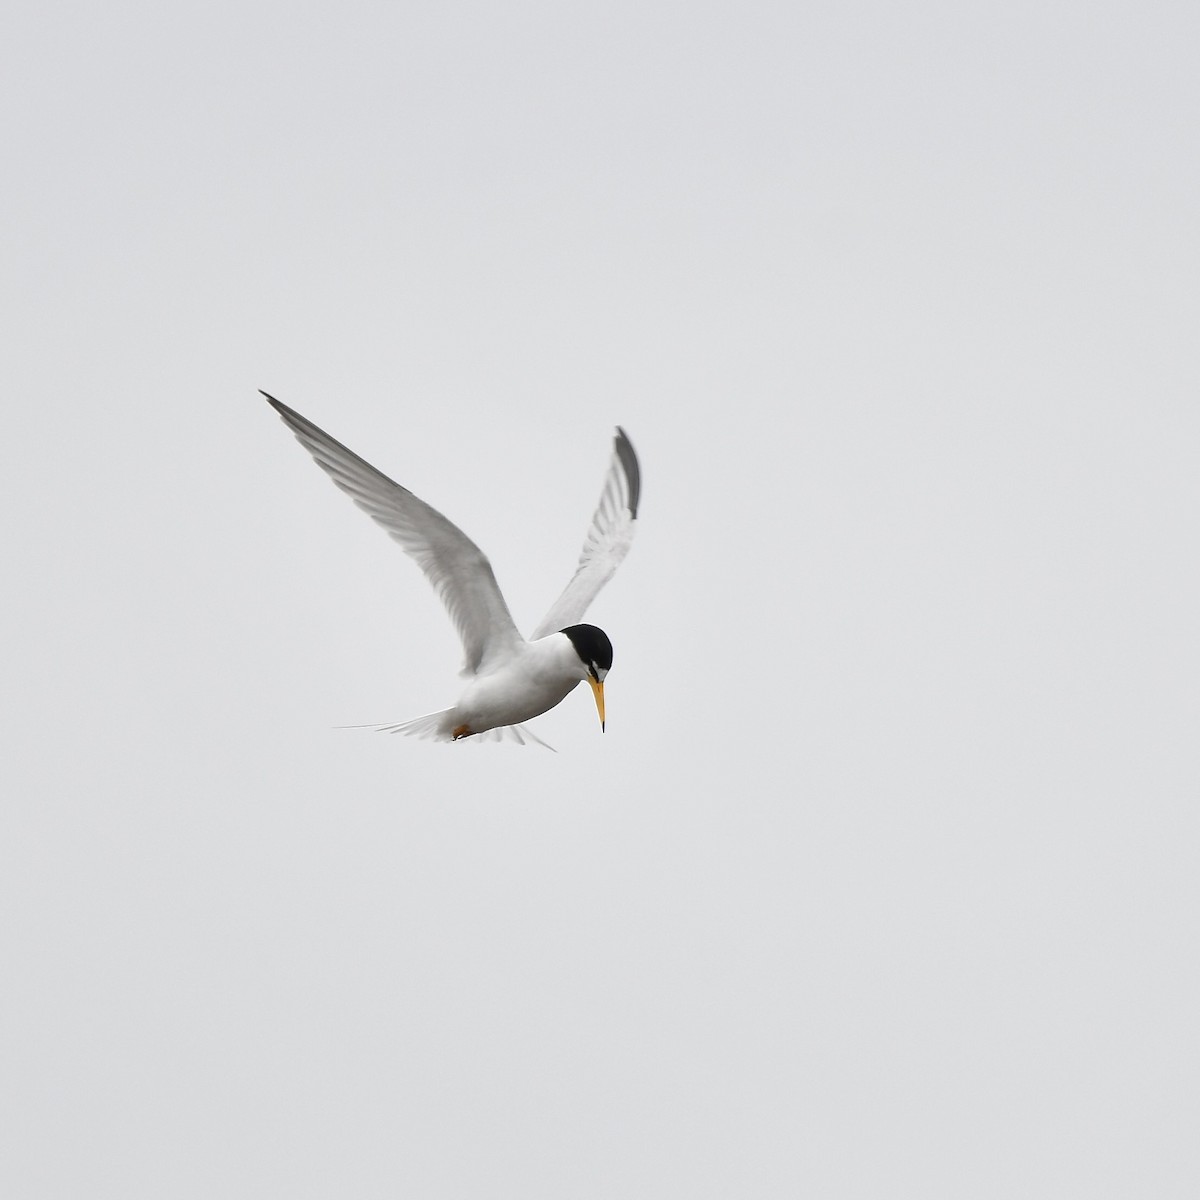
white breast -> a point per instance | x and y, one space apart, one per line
524 686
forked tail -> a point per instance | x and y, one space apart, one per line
436 727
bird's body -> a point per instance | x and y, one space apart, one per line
538 676
511 679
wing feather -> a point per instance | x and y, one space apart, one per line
457 568
608 538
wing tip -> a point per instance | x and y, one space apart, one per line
278 405
627 457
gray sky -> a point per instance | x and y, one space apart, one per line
882 880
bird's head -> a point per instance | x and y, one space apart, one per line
595 655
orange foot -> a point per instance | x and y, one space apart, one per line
461 732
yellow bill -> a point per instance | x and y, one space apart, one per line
598 691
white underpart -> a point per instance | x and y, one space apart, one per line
526 685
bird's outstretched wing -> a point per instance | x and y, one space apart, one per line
608 538
457 568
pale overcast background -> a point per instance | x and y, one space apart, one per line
883 880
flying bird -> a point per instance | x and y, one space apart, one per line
510 679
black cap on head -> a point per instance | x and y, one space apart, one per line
592 646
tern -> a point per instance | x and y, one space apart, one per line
511 679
